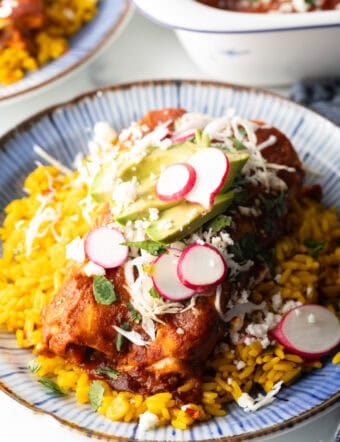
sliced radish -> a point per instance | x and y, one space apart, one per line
201 267
165 279
212 168
103 247
309 330
182 136
175 182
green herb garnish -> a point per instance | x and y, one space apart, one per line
103 291
52 386
154 294
277 204
135 316
315 247
34 366
249 247
219 223
153 247
96 394
201 139
237 144
120 338
310 2
107 371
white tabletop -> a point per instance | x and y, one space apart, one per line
142 51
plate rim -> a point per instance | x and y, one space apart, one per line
128 8
30 121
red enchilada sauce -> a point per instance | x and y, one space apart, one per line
273 5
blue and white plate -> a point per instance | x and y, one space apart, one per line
63 131
85 44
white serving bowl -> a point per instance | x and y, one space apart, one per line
252 48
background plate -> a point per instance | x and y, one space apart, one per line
63 131
82 46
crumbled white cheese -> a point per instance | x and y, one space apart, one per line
260 330
153 214
125 193
180 331
92 269
75 250
250 404
239 364
289 305
103 133
301 5
309 290
249 211
148 421
277 301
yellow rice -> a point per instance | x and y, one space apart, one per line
29 283
64 18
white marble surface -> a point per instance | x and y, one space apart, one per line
142 51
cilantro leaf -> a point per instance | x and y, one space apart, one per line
107 371
237 144
34 366
249 247
135 316
220 222
103 291
154 294
276 204
96 394
120 338
153 247
52 386
315 247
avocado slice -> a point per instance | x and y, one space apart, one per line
102 185
146 171
184 218
140 208
236 162
148 199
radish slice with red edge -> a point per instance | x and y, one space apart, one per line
201 267
175 182
212 169
182 136
103 247
310 331
165 279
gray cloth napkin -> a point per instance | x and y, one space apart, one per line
320 95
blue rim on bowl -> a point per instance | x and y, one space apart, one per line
84 45
63 130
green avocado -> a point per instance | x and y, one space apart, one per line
236 162
146 171
146 195
184 218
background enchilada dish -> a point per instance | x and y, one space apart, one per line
41 41
162 95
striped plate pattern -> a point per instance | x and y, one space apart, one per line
82 45
65 130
